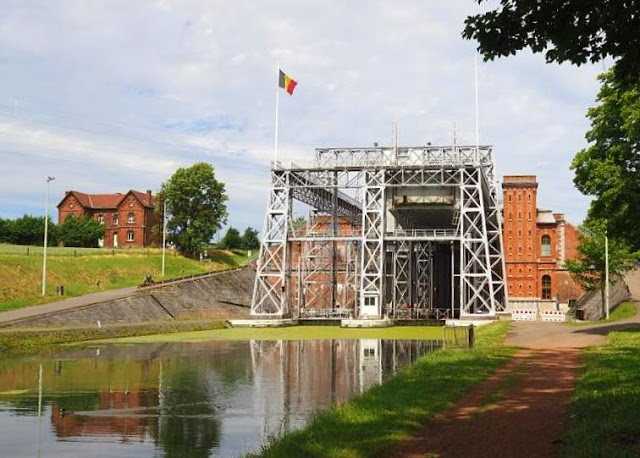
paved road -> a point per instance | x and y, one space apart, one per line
67 304
545 335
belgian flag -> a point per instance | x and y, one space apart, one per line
287 83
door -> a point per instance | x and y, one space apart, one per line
115 240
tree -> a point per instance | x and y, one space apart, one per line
27 230
231 239
575 31
250 238
82 231
588 269
196 208
609 169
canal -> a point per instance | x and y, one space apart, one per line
221 398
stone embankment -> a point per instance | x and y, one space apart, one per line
218 295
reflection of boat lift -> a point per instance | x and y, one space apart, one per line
370 363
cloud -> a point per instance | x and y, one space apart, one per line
116 95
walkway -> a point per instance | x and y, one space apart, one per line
66 304
522 410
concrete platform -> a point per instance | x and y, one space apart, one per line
262 323
367 323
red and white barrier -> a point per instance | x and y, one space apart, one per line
552 315
524 315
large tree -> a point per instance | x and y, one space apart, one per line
609 169
232 239
196 208
576 31
250 238
82 231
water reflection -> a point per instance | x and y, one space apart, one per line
215 398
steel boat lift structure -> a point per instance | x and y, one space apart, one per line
392 232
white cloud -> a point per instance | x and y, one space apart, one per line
97 82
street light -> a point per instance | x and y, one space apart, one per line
46 229
606 273
164 232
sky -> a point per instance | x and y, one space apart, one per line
112 95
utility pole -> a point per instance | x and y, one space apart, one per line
606 273
164 232
46 229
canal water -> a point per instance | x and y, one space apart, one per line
178 399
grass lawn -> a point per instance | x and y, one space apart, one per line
384 415
292 333
604 413
91 270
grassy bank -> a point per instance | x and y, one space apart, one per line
621 312
386 414
91 270
604 413
291 333
33 340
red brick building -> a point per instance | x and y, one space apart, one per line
536 244
128 218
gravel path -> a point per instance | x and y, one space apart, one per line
522 410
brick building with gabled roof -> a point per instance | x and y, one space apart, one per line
128 218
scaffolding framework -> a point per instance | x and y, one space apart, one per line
383 240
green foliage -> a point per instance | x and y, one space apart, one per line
231 239
603 421
27 230
609 169
573 31
196 207
371 424
588 269
82 231
250 238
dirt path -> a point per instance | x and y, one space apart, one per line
522 410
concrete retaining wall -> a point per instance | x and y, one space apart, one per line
221 295
591 302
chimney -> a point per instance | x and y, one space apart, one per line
149 196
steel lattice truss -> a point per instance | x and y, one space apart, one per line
352 184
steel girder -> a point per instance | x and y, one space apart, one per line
269 289
371 277
477 294
402 156
402 277
424 272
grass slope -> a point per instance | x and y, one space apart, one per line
604 413
90 271
384 415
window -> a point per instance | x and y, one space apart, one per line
131 218
546 287
115 219
100 218
129 236
509 197
545 249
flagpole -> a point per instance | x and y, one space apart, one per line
475 65
275 148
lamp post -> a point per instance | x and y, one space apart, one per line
46 230
164 232
606 273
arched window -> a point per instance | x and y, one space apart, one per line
546 287
545 249
131 218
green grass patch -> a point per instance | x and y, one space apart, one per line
604 412
29 340
93 271
292 333
380 418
